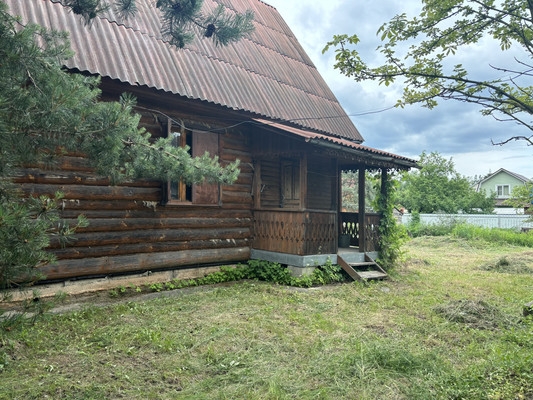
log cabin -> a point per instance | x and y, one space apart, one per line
259 100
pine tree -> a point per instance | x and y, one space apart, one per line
181 19
46 112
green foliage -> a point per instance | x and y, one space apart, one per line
422 335
391 234
276 273
471 233
255 270
181 20
493 235
438 187
45 113
522 197
350 190
26 228
416 228
424 53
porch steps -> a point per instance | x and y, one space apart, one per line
362 270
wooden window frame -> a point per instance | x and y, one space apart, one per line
290 180
197 194
182 194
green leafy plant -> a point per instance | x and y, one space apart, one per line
391 234
255 270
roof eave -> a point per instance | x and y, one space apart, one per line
400 163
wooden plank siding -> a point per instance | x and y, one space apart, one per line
322 178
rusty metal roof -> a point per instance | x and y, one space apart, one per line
267 74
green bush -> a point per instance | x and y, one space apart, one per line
255 270
416 228
493 235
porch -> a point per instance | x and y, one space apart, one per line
309 238
351 234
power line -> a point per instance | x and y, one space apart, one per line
244 122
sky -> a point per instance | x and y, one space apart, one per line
455 130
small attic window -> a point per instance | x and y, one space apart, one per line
503 191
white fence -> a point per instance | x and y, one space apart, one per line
505 221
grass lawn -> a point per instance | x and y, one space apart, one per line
448 325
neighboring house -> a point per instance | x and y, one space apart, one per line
260 100
502 183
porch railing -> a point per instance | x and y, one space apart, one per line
295 232
349 224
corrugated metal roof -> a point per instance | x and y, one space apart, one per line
343 145
267 74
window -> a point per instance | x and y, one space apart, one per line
198 142
290 183
280 183
179 191
503 191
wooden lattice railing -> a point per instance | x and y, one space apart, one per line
295 232
349 225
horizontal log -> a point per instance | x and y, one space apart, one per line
237 188
36 175
81 192
133 224
153 235
232 156
124 249
244 179
79 206
70 162
237 198
159 211
65 269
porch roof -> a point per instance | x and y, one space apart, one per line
363 154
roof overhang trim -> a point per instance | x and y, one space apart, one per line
343 145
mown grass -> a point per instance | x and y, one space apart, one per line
442 328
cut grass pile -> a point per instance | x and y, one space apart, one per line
442 328
511 264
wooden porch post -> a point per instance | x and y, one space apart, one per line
384 193
362 207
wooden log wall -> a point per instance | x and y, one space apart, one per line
129 231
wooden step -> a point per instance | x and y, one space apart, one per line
364 271
369 275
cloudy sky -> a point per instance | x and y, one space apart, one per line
455 130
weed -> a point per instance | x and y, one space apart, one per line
156 287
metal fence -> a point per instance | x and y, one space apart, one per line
504 221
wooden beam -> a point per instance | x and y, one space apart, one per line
384 182
362 208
